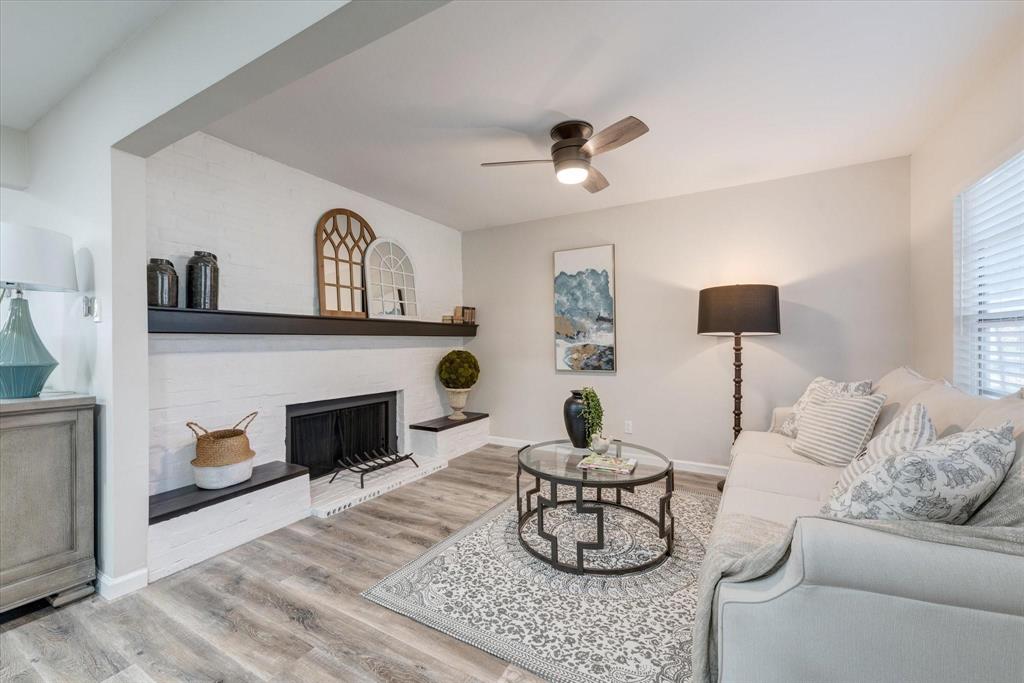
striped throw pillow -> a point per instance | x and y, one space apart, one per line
834 432
819 389
911 429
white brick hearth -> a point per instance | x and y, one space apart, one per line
183 541
329 498
453 442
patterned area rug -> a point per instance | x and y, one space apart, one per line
482 587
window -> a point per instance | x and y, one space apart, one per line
391 281
988 226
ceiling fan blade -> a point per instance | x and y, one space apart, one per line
615 136
517 163
595 181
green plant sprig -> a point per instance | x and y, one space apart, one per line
593 413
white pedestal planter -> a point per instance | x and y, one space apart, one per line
457 400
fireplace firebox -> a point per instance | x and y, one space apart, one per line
358 433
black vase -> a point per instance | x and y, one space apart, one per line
572 411
161 283
203 281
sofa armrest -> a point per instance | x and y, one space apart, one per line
849 556
779 416
850 589
836 554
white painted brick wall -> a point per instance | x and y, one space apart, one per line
259 217
183 541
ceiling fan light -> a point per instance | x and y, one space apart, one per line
572 174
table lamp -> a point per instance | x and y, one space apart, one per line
735 311
32 259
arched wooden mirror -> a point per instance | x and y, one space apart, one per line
342 237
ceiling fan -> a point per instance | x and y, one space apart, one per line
576 144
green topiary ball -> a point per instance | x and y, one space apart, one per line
458 370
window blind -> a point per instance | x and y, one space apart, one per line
988 226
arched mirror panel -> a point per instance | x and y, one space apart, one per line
390 281
342 239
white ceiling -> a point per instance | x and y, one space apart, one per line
733 93
47 48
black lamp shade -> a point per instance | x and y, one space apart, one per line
738 309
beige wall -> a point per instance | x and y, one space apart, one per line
836 242
984 131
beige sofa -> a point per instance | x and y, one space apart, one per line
856 604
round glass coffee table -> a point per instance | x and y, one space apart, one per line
553 464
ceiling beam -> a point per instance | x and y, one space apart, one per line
340 33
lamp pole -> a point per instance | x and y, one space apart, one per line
737 382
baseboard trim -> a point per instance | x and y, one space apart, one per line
700 467
507 441
684 465
113 587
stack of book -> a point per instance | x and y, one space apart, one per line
607 463
463 314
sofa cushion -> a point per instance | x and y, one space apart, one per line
774 507
766 444
899 386
950 409
945 481
1005 506
794 476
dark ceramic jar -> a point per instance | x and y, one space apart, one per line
161 283
575 426
203 281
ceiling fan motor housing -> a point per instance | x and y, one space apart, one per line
569 137
567 130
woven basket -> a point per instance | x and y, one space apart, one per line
222 446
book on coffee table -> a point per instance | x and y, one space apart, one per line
607 463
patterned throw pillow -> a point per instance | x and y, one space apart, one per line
825 388
834 432
945 481
911 429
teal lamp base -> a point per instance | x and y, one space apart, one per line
25 364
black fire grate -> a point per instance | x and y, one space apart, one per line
374 460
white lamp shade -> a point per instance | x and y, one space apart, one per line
35 258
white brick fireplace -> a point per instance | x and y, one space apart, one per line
259 217
216 379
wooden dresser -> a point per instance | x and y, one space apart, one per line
47 499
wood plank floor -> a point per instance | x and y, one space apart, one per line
285 607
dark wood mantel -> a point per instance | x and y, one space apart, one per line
195 321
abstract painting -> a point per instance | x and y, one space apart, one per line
585 309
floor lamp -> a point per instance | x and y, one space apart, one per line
735 311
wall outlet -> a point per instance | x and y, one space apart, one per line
629 427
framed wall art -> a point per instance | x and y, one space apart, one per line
584 288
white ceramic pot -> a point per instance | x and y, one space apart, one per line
457 400
599 443
224 475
